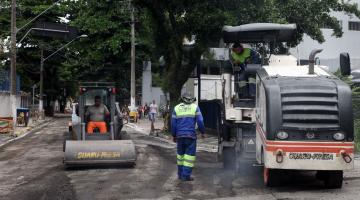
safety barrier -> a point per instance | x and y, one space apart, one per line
6 125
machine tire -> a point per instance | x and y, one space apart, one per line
333 179
229 157
66 137
70 128
271 177
118 135
64 145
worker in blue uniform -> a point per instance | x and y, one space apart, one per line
184 118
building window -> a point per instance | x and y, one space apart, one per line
354 26
328 26
325 26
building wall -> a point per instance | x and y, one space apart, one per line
150 93
332 47
5 108
146 83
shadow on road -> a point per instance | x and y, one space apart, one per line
86 167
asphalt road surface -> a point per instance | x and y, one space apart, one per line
31 168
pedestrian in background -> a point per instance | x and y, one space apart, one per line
153 112
146 110
183 120
143 111
140 108
125 112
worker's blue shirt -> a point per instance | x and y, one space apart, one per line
183 121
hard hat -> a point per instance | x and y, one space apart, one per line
187 98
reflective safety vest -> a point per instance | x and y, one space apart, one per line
241 58
185 110
184 118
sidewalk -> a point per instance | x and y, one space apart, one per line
21 131
144 125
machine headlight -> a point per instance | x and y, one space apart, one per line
282 135
339 136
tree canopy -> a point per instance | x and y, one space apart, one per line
161 27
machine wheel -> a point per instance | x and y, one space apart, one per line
120 136
229 157
271 177
333 179
70 128
66 137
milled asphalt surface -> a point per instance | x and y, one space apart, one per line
31 168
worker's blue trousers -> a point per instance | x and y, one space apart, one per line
186 149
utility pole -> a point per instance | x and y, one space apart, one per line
13 61
41 100
132 89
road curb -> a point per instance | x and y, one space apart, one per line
37 128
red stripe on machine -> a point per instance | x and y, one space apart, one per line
309 149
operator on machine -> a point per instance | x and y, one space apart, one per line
240 57
183 120
97 113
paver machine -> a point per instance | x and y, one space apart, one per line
88 149
300 117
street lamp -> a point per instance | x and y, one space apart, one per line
41 102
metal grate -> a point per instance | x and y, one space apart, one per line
309 105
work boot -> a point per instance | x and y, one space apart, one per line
187 179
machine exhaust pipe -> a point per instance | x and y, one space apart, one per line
312 60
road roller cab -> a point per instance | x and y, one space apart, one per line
92 146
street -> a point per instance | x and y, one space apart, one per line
31 168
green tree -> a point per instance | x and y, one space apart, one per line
172 21
103 56
28 53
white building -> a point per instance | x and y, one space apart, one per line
332 47
148 92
